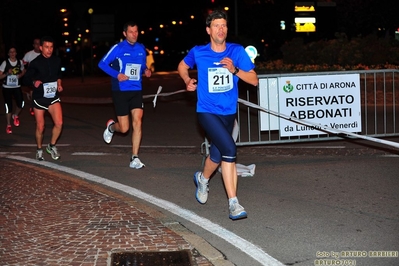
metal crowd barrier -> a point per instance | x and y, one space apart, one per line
379 109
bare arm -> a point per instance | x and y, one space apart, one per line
59 85
191 84
249 77
22 73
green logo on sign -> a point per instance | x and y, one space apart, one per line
288 87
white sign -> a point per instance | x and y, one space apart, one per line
327 100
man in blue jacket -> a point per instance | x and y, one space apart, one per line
125 62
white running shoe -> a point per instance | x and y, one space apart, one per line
39 155
136 163
201 193
108 134
237 211
53 151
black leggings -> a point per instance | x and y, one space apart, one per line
8 94
219 129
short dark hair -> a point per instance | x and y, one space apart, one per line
129 24
11 47
216 14
46 39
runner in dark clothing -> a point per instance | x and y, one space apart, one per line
11 71
44 73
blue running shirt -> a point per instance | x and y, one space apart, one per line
125 58
217 89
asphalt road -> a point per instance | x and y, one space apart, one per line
307 203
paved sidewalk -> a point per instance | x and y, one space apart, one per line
51 218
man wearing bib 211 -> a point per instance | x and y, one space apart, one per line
220 65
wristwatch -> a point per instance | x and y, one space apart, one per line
236 71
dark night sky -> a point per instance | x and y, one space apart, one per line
23 20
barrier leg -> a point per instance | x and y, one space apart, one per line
204 151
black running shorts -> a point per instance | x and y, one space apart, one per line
124 101
44 103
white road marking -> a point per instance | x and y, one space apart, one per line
12 152
116 146
389 155
149 146
189 147
303 147
34 145
92 153
250 249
